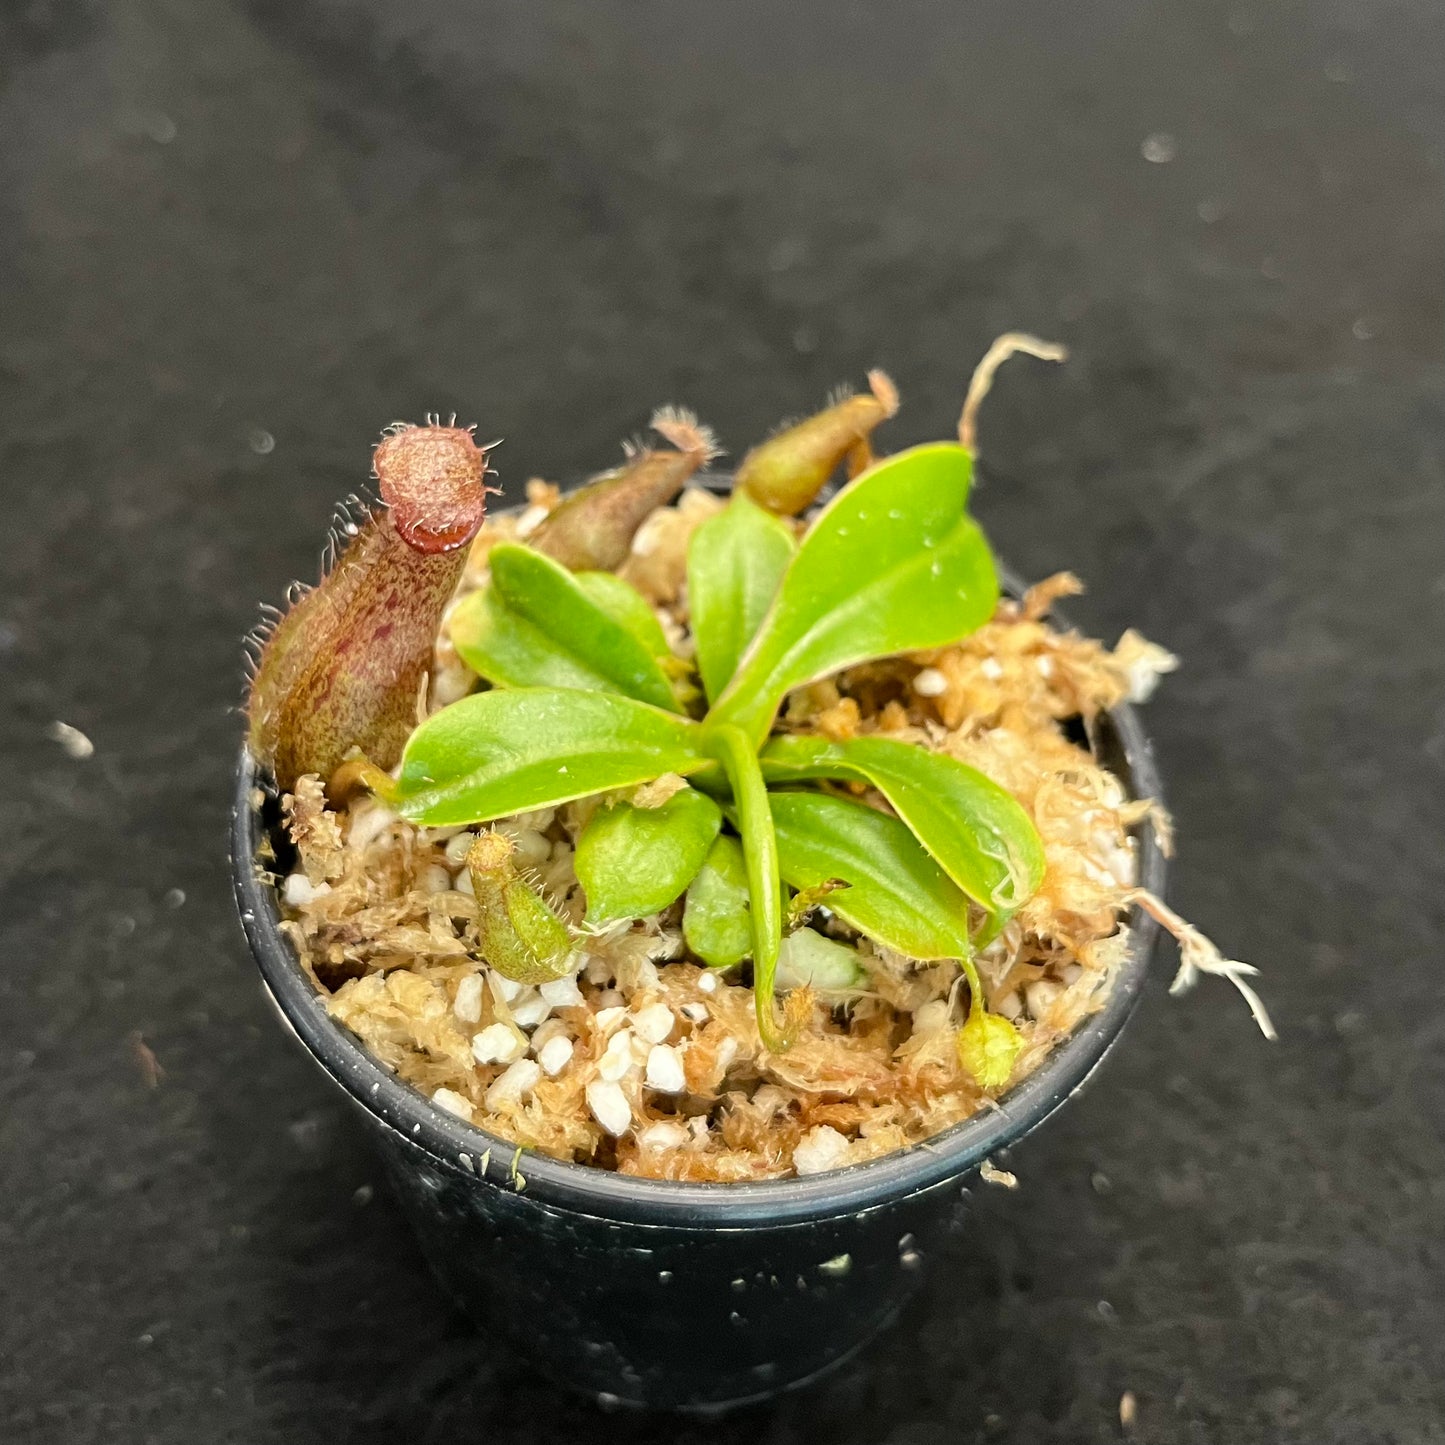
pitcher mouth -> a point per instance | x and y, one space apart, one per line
584 1189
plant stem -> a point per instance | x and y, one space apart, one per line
760 853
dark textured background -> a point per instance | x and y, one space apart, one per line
227 223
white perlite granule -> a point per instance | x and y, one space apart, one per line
617 1061
528 1012
654 1023
453 1103
664 1070
562 992
509 1086
663 1135
555 1054
75 742
298 890
504 988
821 1148
468 1003
609 1106
497 1044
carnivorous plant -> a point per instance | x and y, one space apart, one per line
700 798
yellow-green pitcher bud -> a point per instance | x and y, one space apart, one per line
786 472
519 934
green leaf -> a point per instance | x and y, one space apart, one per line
545 594
500 645
507 650
508 751
734 564
632 862
715 922
977 830
988 1045
625 605
891 564
896 895
807 957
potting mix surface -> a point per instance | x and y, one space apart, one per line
639 1056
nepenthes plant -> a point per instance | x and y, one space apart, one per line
703 797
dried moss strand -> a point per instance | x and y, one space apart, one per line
1011 343
1198 955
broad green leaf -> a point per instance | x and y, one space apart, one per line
890 565
511 750
977 830
715 922
632 862
624 604
545 594
807 957
896 895
988 1044
503 647
734 564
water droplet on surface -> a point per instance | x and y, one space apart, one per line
664 1276
1160 148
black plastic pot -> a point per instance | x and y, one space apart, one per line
682 1296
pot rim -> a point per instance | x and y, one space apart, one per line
603 1193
